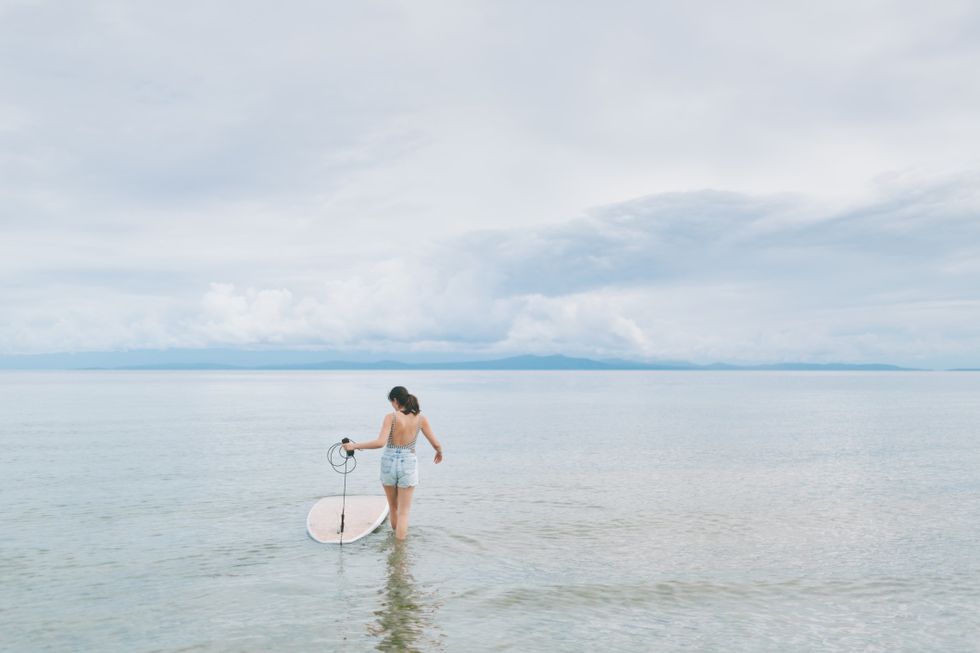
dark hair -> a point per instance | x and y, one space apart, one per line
408 402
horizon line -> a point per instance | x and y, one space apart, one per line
515 362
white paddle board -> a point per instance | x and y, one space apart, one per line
363 514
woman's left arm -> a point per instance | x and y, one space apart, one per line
431 437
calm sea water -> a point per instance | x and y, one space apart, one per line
583 511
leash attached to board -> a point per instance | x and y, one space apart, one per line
349 464
367 511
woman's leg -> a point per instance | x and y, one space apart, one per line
404 505
391 491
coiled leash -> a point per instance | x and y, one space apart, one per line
348 465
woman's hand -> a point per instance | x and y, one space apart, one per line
438 457
348 446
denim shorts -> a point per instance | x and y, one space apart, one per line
399 467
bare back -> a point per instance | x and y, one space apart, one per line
404 430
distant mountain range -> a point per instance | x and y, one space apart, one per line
232 360
526 362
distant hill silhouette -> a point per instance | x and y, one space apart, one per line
218 359
232 359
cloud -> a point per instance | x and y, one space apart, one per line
407 175
704 275
492 112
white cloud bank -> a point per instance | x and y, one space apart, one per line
703 276
392 176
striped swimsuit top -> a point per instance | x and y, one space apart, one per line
403 447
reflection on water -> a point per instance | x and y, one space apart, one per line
405 620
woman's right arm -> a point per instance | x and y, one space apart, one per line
376 443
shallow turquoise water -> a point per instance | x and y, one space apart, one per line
633 511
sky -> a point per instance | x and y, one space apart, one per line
705 181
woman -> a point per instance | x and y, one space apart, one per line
399 466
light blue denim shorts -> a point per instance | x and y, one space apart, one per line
399 467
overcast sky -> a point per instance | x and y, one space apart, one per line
748 182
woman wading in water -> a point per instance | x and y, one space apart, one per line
399 466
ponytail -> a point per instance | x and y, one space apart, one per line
408 403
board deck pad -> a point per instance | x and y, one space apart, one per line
363 515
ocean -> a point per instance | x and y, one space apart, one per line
575 511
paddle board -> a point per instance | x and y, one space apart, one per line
363 514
